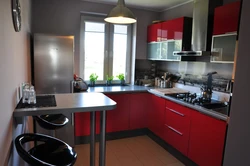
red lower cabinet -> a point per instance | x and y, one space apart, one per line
118 119
156 116
139 108
82 123
177 126
207 136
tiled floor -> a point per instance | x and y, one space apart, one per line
136 151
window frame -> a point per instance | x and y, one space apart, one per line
108 49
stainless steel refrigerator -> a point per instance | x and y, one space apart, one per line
53 70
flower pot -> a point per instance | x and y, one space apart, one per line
92 83
122 82
108 82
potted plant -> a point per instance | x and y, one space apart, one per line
121 77
109 80
92 78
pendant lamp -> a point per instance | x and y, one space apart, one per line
120 14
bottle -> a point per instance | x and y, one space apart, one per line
25 93
32 95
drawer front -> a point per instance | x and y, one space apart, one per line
179 121
177 108
176 138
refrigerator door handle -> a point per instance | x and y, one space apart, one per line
72 119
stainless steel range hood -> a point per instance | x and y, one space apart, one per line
203 15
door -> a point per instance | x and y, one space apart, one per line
140 104
53 63
206 143
156 116
118 119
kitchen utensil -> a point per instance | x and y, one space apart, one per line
206 94
80 85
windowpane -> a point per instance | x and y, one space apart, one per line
94 54
121 29
94 27
119 54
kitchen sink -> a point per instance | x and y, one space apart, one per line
102 85
214 105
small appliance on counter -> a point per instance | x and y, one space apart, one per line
79 85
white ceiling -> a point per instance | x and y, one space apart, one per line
154 5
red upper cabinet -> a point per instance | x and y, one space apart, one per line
173 29
206 142
226 18
154 33
118 119
140 105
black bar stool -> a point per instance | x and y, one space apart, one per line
51 122
51 152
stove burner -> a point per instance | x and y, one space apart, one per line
193 99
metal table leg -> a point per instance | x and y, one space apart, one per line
102 150
92 138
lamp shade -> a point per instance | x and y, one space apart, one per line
120 14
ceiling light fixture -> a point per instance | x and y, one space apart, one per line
120 14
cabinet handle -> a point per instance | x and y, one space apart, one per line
171 128
178 113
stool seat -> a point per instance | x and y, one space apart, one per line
51 122
51 151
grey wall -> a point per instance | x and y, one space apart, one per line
62 17
238 144
14 69
180 11
183 10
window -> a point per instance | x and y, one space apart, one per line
105 49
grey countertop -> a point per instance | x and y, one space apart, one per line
136 88
119 89
70 103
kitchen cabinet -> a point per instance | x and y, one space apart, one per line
226 18
140 105
223 48
154 33
118 119
156 116
175 36
177 126
82 123
207 136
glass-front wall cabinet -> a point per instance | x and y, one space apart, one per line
168 36
223 48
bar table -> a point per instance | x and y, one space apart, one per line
77 102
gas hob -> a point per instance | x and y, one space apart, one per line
193 98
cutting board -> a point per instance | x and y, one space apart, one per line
169 91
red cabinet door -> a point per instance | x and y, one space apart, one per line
82 123
207 136
156 116
226 18
118 119
139 108
154 32
177 126
173 29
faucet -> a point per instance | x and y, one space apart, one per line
209 81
